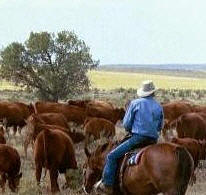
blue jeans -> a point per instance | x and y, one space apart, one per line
110 167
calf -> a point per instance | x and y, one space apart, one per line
54 150
97 127
9 167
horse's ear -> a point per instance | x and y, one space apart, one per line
88 154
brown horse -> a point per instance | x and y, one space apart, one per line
163 167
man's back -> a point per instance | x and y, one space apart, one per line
144 117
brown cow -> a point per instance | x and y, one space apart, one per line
98 126
9 167
14 114
50 119
172 111
191 125
54 150
36 123
112 115
85 103
80 103
72 113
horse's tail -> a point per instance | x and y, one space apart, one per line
185 169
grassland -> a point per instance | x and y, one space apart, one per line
105 81
111 80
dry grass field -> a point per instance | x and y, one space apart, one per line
28 183
100 80
111 80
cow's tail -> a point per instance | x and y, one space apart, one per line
45 144
184 170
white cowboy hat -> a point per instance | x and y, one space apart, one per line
146 89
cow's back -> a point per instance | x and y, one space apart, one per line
56 148
174 109
54 119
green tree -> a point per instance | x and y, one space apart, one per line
52 66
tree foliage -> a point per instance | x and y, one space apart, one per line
51 65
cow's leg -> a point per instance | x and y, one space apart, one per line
53 179
3 182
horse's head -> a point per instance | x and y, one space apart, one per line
93 167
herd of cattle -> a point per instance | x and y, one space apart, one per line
48 130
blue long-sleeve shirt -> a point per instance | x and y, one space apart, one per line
144 116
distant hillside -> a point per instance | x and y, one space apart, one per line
191 67
189 70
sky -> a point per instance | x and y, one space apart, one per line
117 31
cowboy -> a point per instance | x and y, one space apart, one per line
144 120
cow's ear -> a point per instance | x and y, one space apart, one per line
88 154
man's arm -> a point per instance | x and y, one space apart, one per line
129 117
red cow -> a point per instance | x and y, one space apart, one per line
14 114
72 113
97 127
9 167
36 123
54 150
191 125
172 111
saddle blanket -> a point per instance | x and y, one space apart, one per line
134 158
